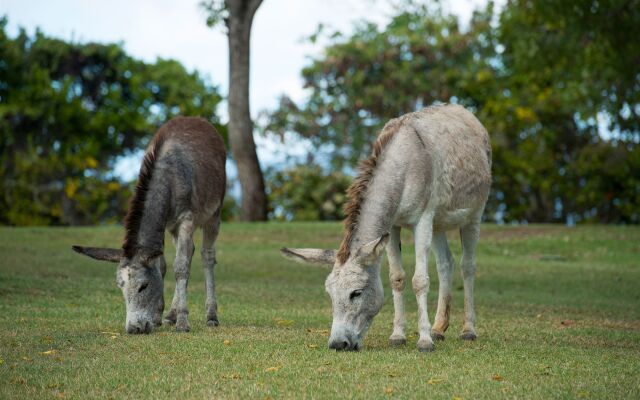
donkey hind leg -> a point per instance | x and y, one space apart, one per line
181 267
423 235
469 235
444 262
210 234
397 279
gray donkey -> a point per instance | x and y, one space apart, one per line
181 187
429 171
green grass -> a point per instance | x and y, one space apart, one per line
558 317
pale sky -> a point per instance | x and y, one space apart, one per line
176 29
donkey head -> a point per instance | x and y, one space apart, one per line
355 289
141 279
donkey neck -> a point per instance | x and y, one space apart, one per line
379 206
156 211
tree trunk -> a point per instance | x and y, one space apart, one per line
243 148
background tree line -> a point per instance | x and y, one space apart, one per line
557 84
68 111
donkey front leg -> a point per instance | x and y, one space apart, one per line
469 236
210 233
397 279
179 312
420 281
171 316
444 262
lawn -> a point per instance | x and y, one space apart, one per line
558 317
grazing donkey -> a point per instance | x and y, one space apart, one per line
429 171
181 186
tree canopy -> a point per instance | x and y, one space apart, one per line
557 85
68 111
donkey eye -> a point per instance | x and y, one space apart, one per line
354 294
143 287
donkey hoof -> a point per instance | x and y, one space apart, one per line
425 346
468 336
437 336
397 341
170 318
213 322
182 325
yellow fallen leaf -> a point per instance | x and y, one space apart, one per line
48 352
27 358
393 374
113 337
434 381
111 333
272 369
226 342
283 322
388 390
53 386
456 398
312 346
321 331
497 377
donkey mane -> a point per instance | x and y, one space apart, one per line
136 204
358 188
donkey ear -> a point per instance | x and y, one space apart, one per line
369 252
310 256
100 253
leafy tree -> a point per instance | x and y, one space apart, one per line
238 18
306 193
539 79
566 65
68 111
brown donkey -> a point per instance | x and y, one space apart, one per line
181 187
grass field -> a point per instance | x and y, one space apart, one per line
558 317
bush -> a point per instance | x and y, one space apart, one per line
307 193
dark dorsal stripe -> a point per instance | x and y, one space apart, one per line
136 205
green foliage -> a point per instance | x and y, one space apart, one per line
306 193
216 11
540 79
230 207
67 111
